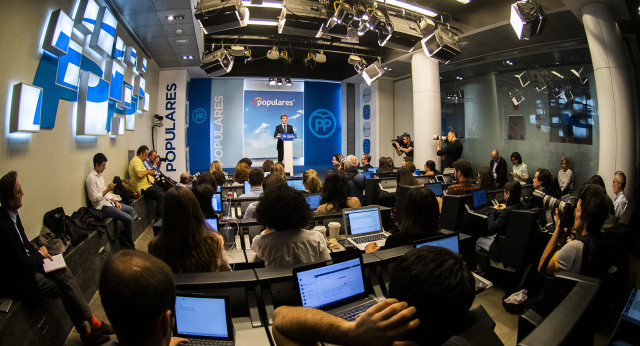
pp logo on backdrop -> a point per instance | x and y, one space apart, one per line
322 123
199 115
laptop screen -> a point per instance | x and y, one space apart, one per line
296 184
416 172
216 202
436 188
247 186
218 188
313 200
329 284
449 241
213 222
373 169
368 175
479 198
440 178
203 317
362 220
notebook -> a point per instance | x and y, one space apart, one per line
216 202
213 222
436 188
313 200
336 286
296 184
363 226
204 318
479 203
452 242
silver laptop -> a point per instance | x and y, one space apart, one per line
363 226
204 319
336 286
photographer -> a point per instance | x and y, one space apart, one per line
590 214
403 145
452 151
153 162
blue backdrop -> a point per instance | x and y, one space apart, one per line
322 124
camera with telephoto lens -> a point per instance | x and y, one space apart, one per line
565 209
398 140
442 138
162 159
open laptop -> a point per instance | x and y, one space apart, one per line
363 225
247 186
213 222
216 202
336 286
313 200
436 188
451 241
204 319
368 175
296 184
479 203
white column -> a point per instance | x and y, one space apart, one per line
426 108
615 99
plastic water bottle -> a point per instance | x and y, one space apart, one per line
226 208
227 234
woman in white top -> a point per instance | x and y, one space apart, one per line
520 170
565 176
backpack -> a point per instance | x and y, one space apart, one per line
121 191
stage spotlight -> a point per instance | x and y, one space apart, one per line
527 18
441 45
273 53
354 59
287 81
360 66
372 72
319 57
237 50
426 26
279 81
223 16
217 63
516 96
523 78
272 80
344 13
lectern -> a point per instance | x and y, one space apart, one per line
287 141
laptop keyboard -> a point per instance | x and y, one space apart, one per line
483 211
350 314
211 342
369 238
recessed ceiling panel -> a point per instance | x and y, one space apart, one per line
163 5
136 20
134 6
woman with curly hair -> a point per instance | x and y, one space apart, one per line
485 179
311 182
284 213
186 242
241 174
335 194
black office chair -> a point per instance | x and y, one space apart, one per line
401 200
452 212
516 250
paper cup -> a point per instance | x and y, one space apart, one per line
334 229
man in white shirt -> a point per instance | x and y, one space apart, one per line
620 200
103 199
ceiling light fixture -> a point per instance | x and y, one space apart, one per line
523 78
254 3
273 53
557 74
262 22
464 1
217 63
172 18
287 81
409 7
272 80
279 81
230 14
527 18
182 41
372 72
441 45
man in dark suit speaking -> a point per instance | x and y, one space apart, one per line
282 128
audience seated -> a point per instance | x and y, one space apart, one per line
365 160
384 166
220 178
409 164
485 179
185 180
336 161
103 199
266 165
241 174
620 199
462 171
498 218
256 177
566 178
430 168
216 167
430 292
207 178
284 213
421 220
138 295
278 168
590 214
355 178
23 276
246 161
187 243
597 180
335 194
405 177
204 194
272 180
143 179
520 171
311 182
542 182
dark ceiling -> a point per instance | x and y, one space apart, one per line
483 24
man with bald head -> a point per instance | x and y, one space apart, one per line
498 167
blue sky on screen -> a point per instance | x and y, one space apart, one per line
262 110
